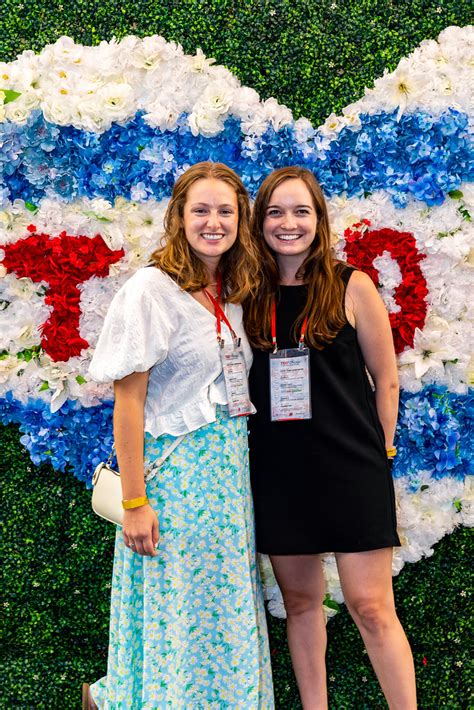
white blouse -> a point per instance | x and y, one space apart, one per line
152 324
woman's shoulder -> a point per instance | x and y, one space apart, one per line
360 287
344 270
151 280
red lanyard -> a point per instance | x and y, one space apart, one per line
219 313
274 329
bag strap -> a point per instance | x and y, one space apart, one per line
157 463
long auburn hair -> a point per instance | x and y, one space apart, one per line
324 306
238 267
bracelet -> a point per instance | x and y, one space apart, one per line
134 503
391 452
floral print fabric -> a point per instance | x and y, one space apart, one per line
188 628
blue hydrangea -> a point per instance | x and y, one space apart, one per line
433 434
417 156
72 439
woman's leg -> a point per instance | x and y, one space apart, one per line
366 579
301 580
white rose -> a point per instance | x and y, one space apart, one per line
217 97
199 64
206 123
117 100
245 102
278 114
56 110
17 113
162 116
149 53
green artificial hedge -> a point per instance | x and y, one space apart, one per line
315 56
56 567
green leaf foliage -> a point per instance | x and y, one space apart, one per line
315 57
57 565
9 95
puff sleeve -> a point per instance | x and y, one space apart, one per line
135 334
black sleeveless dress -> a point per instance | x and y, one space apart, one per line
321 484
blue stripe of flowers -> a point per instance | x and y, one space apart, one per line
417 156
432 434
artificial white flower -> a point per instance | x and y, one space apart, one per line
278 114
401 87
207 122
162 116
217 97
245 102
117 100
390 277
254 125
332 125
304 130
149 53
55 110
199 63
432 347
64 50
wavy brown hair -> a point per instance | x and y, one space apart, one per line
239 267
324 306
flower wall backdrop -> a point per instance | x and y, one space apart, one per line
92 139
90 156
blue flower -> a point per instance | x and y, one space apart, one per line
433 434
419 156
74 438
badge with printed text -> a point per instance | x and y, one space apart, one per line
290 394
233 361
236 382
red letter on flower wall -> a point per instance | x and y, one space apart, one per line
364 245
63 262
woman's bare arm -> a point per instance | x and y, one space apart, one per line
374 335
140 525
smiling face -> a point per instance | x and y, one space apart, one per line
290 221
210 219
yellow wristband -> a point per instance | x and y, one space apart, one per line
134 502
391 452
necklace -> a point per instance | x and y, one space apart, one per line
214 292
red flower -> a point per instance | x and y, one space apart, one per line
63 262
363 246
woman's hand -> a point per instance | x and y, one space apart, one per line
141 530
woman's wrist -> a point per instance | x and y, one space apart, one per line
391 451
131 503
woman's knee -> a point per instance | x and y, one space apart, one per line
300 602
373 615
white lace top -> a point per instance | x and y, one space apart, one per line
152 324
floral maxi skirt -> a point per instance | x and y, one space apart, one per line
187 628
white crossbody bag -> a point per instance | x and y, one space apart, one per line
107 488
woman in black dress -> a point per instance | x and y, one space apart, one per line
321 441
